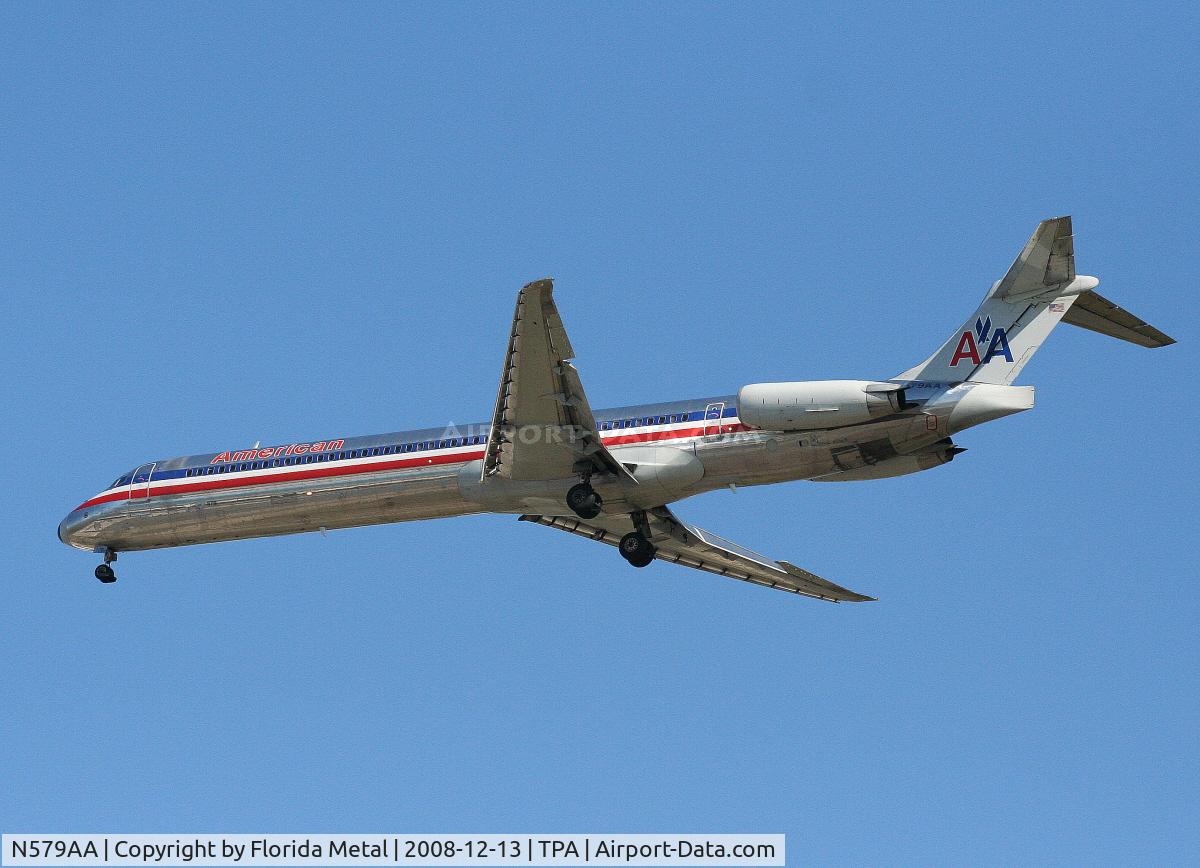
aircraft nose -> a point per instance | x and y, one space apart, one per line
69 530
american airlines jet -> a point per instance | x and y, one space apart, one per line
612 475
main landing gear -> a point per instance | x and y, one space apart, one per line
583 500
636 549
104 572
635 546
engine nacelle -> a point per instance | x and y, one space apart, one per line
934 455
817 404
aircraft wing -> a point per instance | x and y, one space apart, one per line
543 427
680 543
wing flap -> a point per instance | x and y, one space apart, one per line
687 545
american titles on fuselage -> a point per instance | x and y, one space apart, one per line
277 451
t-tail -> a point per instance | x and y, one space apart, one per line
1040 290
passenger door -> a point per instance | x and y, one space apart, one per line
712 419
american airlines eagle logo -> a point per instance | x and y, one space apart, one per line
970 342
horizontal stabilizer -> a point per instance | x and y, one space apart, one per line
1096 313
1040 290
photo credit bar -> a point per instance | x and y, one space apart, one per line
394 849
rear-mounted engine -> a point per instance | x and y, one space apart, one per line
818 404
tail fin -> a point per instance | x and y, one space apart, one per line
1040 289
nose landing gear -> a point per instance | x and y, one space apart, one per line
104 572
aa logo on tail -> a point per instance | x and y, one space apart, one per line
969 343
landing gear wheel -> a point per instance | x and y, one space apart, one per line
636 549
583 500
105 574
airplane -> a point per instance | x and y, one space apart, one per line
612 475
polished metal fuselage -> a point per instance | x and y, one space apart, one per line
727 454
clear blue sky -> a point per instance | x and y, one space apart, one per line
225 224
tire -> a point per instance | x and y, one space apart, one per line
105 574
643 561
583 500
636 549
